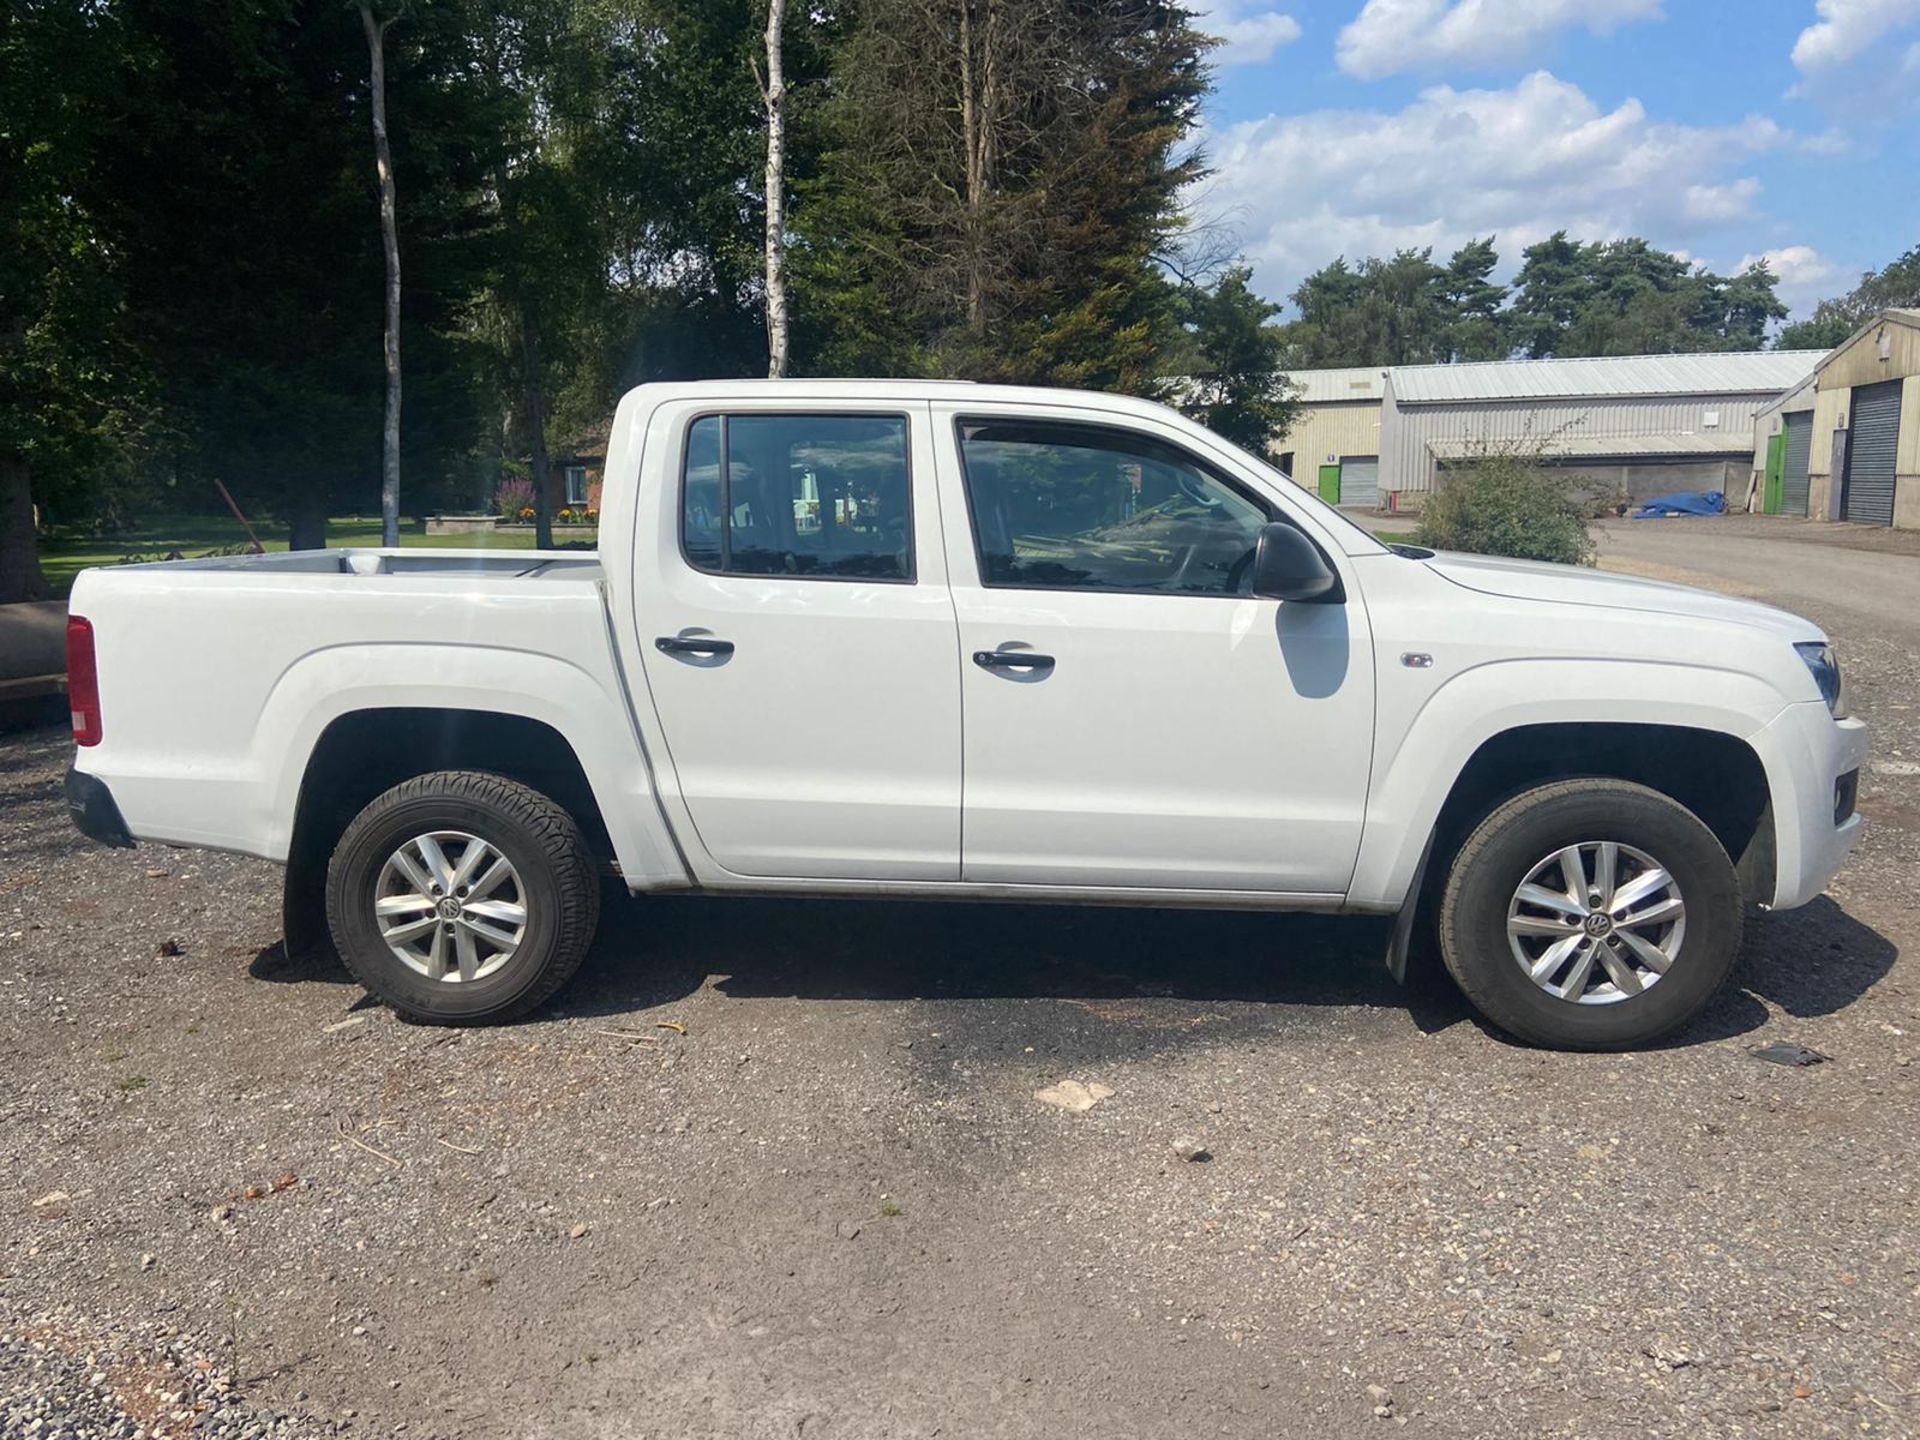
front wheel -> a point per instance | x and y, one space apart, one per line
1591 915
462 898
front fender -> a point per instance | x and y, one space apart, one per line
1418 759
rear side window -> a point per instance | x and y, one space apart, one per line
812 496
1088 507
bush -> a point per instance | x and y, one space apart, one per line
1503 501
512 498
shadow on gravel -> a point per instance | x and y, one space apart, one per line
1815 960
1116 979
897 950
1115 965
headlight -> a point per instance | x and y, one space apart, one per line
1825 666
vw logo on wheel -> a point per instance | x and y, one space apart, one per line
1598 923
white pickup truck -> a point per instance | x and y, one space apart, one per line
895 638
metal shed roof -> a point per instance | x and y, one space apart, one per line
1799 398
1765 372
1579 447
1330 387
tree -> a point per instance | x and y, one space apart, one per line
376 32
1833 320
543 60
72 397
1000 183
232 195
1384 312
1475 326
775 92
1231 380
1626 297
1553 289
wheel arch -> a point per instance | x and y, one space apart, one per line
1717 776
1608 715
361 753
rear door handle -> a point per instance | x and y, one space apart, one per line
1012 660
692 645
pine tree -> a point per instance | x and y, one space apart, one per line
1002 180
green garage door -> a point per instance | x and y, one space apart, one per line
1872 436
1793 478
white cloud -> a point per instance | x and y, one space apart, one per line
1391 36
1518 163
1805 275
1249 34
1847 28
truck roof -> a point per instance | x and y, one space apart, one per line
879 388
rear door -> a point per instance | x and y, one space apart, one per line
799 640
1133 717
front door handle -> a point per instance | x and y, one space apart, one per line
1012 660
693 645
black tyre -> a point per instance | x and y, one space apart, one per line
461 898
1591 915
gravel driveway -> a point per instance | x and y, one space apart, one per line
777 1169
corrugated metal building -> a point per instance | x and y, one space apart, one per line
1865 439
1333 445
1642 424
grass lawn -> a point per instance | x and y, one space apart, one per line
63 556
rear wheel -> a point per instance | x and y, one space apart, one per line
462 898
1591 915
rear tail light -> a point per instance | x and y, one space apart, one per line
83 682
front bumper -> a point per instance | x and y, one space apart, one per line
1813 764
90 804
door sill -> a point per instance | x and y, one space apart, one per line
1170 898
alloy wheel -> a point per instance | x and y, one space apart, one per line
1597 922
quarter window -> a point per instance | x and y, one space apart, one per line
1072 507
817 496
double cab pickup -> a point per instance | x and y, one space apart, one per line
895 638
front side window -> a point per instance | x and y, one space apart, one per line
818 496
1081 507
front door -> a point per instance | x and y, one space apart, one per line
799 642
1133 716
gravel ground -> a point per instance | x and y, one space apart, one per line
238 1200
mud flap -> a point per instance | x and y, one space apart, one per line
1401 940
303 910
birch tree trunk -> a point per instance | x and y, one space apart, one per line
775 92
979 106
390 241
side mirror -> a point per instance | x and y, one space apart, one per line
1288 566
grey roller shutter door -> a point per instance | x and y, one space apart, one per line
1360 480
1874 434
1793 478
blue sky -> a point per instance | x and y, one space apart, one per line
1722 129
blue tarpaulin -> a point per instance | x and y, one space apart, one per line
1709 502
